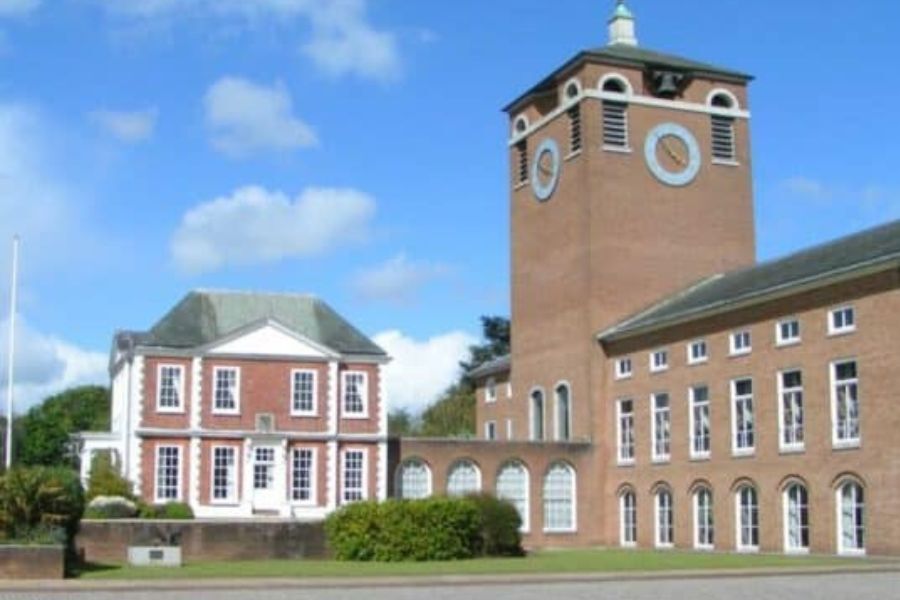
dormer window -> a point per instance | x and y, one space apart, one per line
723 137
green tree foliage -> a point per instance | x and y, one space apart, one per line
105 479
496 333
33 498
401 423
41 436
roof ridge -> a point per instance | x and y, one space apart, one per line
238 292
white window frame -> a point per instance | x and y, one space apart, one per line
833 328
313 476
463 491
624 525
836 440
733 349
842 549
523 505
175 410
237 391
179 474
232 481
735 449
783 444
363 392
710 526
620 431
656 456
417 463
490 431
314 411
739 524
659 526
697 360
490 391
532 422
692 405
786 518
780 340
573 524
509 429
621 371
659 366
364 479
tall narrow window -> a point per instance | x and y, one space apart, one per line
628 519
700 427
303 392
661 425
845 403
512 486
851 519
303 473
356 395
224 475
354 476
790 386
615 117
704 528
723 138
575 129
664 523
742 420
522 162
537 415
563 413
796 519
464 479
490 391
559 498
226 395
170 388
168 473
490 430
414 480
626 431
747 506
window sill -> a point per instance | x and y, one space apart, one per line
568 531
788 450
748 550
617 149
625 463
841 332
697 363
659 370
624 377
304 415
354 417
573 155
225 503
848 445
787 343
796 551
628 545
226 413
723 162
662 460
664 547
170 411
853 552
520 185
704 548
701 457
743 453
739 353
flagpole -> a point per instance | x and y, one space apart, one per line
10 373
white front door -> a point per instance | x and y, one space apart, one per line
265 481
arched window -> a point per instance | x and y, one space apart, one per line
520 125
627 518
512 486
615 112
563 412
723 136
464 479
796 518
414 480
851 518
747 519
704 528
665 527
559 498
537 415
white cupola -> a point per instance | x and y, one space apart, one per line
621 26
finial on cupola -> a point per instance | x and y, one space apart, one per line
621 26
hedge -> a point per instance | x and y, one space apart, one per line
434 529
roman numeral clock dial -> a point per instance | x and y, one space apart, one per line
672 154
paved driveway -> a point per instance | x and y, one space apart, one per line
858 586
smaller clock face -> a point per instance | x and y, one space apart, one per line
545 170
672 154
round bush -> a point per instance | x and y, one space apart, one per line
174 511
110 507
500 526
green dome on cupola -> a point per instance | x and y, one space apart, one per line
622 26
622 11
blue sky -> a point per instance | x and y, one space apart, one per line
355 149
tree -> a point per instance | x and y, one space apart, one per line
496 333
41 436
401 423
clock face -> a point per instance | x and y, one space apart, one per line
672 154
545 170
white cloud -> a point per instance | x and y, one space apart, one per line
16 8
244 117
421 370
808 188
254 225
130 127
397 280
45 365
342 40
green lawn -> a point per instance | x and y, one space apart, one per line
562 561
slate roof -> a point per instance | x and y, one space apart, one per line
493 367
875 249
631 56
204 316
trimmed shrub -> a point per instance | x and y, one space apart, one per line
33 498
172 511
500 526
105 479
398 530
110 507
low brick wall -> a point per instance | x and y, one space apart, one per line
32 562
108 541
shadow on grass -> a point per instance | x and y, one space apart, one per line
85 568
